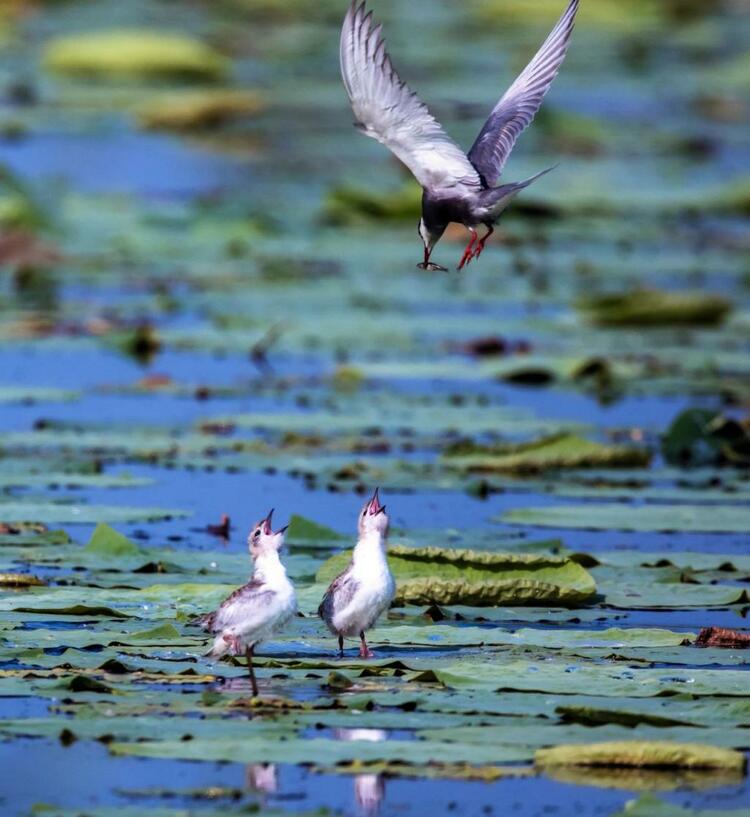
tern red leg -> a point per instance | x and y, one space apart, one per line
251 670
469 251
480 246
364 650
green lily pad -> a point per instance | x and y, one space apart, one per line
654 308
455 576
302 530
133 53
643 753
665 518
198 110
106 541
650 806
77 514
550 453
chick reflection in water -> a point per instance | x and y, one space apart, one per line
262 778
369 789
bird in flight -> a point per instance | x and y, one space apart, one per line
456 187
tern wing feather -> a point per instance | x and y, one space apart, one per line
339 594
520 103
389 111
239 607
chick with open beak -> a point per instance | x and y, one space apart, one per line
255 611
358 596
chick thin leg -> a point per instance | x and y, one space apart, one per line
341 646
364 650
251 670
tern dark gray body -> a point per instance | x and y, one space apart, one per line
457 187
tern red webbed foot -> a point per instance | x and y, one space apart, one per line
480 245
468 252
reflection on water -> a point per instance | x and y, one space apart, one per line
262 778
369 789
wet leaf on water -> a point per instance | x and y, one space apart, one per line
306 531
131 53
648 754
649 307
20 580
549 453
107 542
78 514
36 394
198 110
649 780
603 516
700 436
454 576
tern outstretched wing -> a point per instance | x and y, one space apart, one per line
518 107
389 111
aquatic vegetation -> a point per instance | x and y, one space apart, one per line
704 437
347 205
198 110
547 454
637 753
131 53
653 308
209 316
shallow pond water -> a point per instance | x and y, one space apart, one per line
228 318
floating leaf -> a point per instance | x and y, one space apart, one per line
550 453
455 576
649 307
305 530
20 580
198 110
106 541
666 518
703 437
133 53
647 754
77 514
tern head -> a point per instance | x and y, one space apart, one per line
263 539
430 236
372 517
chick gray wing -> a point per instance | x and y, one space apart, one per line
235 608
389 111
339 594
520 103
